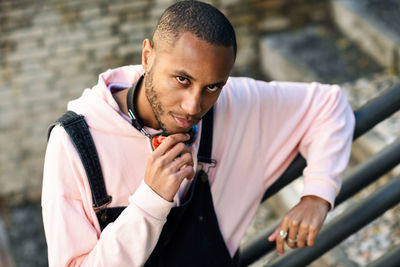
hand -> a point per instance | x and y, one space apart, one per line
302 223
169 165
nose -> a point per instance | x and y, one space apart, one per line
191 101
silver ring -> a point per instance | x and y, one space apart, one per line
282 234
292 240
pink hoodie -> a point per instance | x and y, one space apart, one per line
258 129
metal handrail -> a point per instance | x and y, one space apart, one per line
367 117
336 231
390 259
363 175
369 171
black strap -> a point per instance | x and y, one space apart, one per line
204 154
78 130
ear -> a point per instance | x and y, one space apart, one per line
147 55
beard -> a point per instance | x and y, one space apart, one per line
154 100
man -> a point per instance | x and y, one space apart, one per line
258 128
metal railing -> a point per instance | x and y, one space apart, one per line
390 259
336 231
375 111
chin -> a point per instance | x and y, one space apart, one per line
172 128
175 131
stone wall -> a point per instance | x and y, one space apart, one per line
50 50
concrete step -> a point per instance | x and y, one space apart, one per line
314 53
373 25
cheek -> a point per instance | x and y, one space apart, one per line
166 85
168 93
209 100
162 87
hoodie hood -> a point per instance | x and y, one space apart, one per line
99 107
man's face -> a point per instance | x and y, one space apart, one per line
184 80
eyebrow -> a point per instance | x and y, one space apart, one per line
187 75
184 74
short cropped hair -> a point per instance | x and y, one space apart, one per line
201 19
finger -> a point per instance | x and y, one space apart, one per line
302 235
169 142
292 236
279 239
312 234
272 237
185 172
176 152
184 160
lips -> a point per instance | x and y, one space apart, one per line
183 123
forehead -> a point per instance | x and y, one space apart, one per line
197 57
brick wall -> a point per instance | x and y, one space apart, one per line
50 50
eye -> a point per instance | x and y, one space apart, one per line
213 88
182 80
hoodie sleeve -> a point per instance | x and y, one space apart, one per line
317 121
71 227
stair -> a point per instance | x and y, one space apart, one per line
315 53
373 25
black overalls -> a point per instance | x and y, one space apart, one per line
191 235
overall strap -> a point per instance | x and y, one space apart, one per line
204 154
78 130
